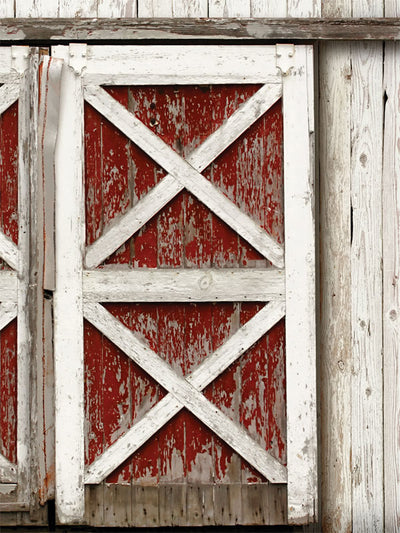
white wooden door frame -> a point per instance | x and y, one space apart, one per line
16 77
284 69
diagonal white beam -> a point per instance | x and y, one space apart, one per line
185 392
9 251
9 93
185 174
8 311
8 471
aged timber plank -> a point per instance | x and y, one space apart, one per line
158 196
68 317
196 285
300 288
335 283
174 8
366 294
286 29
229 8
8 471
391 295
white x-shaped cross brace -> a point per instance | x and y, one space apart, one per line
183 174
184 392
9 252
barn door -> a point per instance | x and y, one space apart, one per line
184 310
15 175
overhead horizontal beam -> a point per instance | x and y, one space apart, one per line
377 29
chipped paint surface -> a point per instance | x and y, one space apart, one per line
8 336
184 234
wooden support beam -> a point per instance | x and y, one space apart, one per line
285 29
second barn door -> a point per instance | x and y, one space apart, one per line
170 289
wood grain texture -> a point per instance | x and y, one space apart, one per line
199 29
36 9
117 8
366 277
184 285
300 286
68 324
304 8
173 8
7 9
335 283
391 296
270 8
229 8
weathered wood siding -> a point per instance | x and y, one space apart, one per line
359 227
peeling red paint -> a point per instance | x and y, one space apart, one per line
185 234
9 225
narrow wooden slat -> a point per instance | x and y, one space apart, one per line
36 9
300 290
9 251
188 65
162 193
8 286
68 318
391 295
366 287
8 471
164 285
185 174
173 8
271 8
165 409
7 8
304 8
335 283
77 8
26 63
229 8
117 8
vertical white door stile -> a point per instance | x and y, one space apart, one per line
85 69
68 322
298 128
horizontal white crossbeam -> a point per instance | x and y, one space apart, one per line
118 233
185 174
188 285
8 471
186 392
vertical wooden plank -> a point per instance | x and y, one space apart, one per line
392 8
77 8
7 8
172 8
304 8
229 8
68 318
366 277
336 8
391 295
300 286
335 285
270 8
37 9
117 8
26 131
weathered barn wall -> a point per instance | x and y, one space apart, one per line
359 132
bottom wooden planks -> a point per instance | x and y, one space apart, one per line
185 505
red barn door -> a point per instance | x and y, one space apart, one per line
173 317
